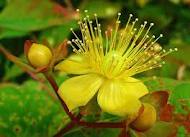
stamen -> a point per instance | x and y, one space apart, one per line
125 52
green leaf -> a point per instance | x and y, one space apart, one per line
161 129
169 70
182 54
180 97
185 13
179 91
161 84
155 14
28 110
29 15
181 132
102 8
12 72
10 33
56 35
93 132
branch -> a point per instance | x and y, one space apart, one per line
67 128
54 85
101 124
123 132
25 67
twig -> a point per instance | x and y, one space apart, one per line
25 67
65 129
101 124
68 127
123 132
54 85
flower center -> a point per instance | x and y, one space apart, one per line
112 65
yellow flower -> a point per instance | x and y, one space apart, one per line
105 65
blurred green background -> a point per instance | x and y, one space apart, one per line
28 108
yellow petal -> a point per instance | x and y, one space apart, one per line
114 98
77 91
135 86
75 64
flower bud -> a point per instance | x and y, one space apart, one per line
146 119
39 55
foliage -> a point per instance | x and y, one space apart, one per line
28 108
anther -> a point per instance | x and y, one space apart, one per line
157 47
131 15
118 22
154 77
69 42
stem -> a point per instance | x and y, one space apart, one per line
55 87
16 60
25 67
65 129
123 132
68 127
101 124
